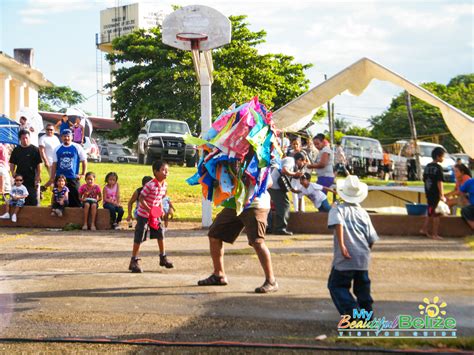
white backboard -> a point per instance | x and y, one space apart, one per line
197 19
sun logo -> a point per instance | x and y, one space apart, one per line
432 309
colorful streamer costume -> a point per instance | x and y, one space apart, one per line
238 151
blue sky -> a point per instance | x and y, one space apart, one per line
421 40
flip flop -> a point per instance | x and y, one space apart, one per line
213 280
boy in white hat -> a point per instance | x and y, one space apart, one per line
354 236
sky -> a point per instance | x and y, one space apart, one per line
423 41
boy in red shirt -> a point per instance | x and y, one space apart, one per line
149 208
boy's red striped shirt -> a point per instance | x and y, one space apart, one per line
153 193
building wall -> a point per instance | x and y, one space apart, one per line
16 91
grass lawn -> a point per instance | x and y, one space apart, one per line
186 199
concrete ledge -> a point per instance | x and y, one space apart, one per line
40 217
385 224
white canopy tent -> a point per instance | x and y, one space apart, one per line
355 78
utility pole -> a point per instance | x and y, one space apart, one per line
331 133
414 137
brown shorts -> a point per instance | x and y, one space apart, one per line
227 225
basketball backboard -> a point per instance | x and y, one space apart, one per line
204 22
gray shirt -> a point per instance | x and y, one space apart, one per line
359 233
328 169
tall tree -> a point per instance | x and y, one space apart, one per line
393 124
161 82
57 98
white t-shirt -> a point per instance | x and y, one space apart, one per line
289 164
314 192
50 144
328 169
264 200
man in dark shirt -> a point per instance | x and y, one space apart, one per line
433 179
26 161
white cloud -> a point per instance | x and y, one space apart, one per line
37 11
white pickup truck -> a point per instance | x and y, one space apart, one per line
163 139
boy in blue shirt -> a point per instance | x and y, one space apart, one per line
354 236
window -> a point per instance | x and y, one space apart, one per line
169 127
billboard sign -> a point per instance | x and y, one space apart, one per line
122 20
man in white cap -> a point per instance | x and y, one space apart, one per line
354 236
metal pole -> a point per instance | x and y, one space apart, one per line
411 121
206 113
329 113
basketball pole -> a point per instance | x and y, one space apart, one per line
205 80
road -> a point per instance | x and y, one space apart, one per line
76 284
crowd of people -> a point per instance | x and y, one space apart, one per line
354 233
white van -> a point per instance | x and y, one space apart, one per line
425 158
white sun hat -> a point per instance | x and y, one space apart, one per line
351 189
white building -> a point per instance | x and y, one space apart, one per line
19 82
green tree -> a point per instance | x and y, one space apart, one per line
393 123
57 98
358 131
161 83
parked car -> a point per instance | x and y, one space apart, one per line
425 149
364 155
465 159
164 139
117 153
92 149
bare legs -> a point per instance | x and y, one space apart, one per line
435 223
216 247
92 207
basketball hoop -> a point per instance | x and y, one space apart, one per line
194 38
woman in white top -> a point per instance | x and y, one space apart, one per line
324 162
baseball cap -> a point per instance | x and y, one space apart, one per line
66 132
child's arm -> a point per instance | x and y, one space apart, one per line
142 201
441 191
340 239
106 200
329 189
52 199
130 205
99 195
117 203
65 197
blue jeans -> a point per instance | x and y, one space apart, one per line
339 285
325 206
116 212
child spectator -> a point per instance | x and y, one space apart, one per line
17 201
60 197
90 196
433 179
111 195
314 192
5 178
78 132
168 210
354 236
134 199
150 202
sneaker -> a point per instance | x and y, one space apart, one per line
267 287
14 218
135 266
114 226
59 212
5 216
93 228
53 214
283 232
84 227
165 262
